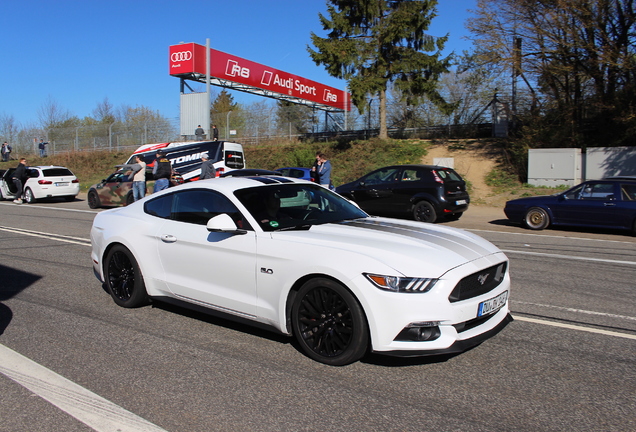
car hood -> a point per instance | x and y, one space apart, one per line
406 246
346 187
544 199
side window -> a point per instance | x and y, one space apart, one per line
160 207
628 192
598 191
199 205
33 173
410 174
383 176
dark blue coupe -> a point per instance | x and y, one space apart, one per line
608 203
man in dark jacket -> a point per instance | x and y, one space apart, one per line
19 178
162 172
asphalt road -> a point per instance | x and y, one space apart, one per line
70 360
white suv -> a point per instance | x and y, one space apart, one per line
43 182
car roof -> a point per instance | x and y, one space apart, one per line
48 167
621 177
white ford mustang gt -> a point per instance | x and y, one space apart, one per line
305 261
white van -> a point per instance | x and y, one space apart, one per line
185 157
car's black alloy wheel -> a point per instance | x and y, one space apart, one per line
329 323
93 200
424 211
124 279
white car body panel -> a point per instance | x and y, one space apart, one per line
251 275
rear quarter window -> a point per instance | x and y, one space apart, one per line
448 174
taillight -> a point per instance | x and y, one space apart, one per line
45 182
75 181
436 177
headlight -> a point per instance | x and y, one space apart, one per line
401 284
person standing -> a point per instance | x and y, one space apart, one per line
6 152
207 168
199 133
161 172
315 177
19 178
139 178
42 147
215 133
324 170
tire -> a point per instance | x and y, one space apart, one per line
93 200
537 219
28 196
124 280
424 211
130 198
329 323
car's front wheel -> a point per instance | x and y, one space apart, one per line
28 196
537 218
124 280
329 323
424 211
93 200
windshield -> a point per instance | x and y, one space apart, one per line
288 206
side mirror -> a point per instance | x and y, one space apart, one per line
223 223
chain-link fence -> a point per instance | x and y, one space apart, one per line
249 125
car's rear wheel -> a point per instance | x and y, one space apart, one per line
124 280
537 218
130 198
329 323
93 200
28 196
424 211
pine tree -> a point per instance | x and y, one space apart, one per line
374 42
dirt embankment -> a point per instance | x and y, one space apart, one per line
473 160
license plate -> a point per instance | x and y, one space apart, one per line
493 305
61 184
460 202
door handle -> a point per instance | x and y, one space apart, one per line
167 238
609 204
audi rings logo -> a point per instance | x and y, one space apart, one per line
181 56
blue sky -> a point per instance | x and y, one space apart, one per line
79 52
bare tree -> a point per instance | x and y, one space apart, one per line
9 128
51 114
104 112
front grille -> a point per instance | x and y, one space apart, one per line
479 283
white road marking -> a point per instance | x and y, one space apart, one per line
560 237
31 206
572 257
58 237
575 327
87 407
581 311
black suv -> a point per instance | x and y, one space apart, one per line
425 192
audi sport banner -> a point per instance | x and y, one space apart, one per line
189 58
